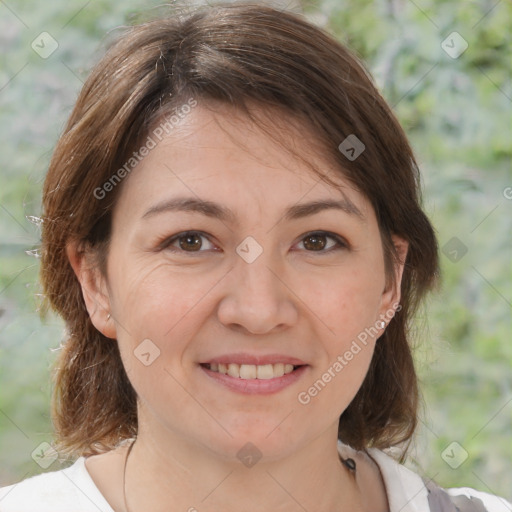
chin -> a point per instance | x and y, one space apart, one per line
251 442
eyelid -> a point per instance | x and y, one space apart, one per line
341 242
165 244
167 241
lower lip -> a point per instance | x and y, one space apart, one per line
256 386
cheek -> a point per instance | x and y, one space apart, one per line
346 303
158 305
158 315
155 297
347 355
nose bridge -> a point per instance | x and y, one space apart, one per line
255 271
256 298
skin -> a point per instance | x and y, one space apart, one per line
293 300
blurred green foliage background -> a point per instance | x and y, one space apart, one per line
456 112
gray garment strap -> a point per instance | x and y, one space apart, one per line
440 501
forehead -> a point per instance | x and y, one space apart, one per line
221 155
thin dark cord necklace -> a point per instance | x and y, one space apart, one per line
124 477
349 463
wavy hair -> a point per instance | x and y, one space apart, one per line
237 54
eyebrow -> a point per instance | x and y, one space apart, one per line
218 211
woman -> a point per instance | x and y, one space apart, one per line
232 233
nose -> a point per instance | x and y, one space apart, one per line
257 300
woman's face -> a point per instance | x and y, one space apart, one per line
224 255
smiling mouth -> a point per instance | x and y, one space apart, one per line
251 371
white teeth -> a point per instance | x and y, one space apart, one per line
251 371
265 371
233 370
248 371
279 369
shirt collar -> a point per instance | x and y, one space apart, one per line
405 489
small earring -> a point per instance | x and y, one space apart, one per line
380 324
108 316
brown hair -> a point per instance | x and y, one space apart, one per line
235 54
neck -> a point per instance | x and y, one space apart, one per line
196 479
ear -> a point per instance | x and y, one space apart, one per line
94 289
391 294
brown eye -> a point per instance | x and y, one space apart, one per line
318 242
190 242
315 242
187 241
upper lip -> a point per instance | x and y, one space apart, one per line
241 358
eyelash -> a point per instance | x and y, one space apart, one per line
166 243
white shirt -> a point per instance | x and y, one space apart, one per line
73 490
